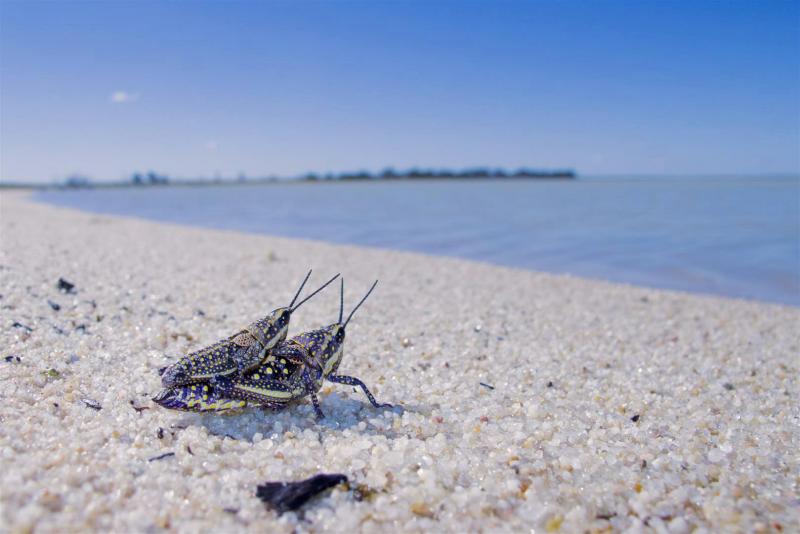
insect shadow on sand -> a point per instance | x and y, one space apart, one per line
345 413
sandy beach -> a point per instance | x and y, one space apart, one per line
524 401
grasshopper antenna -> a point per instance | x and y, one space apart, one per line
326 284
359 304
341 302
300 288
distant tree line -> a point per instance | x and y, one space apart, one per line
77 181
152 178
437 174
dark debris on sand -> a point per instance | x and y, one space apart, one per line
91 403
161 457
65 286
21 326
289 496
139 409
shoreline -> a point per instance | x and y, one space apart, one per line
614 406
683 277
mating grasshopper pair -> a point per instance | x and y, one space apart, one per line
258 366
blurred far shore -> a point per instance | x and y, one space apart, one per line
152 178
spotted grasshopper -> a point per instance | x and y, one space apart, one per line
295 368
239 353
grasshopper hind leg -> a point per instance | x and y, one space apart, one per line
352 381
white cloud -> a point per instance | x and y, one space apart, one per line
123 97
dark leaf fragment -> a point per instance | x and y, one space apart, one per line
486 385
55 305
289 496
17 324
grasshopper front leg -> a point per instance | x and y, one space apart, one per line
352 381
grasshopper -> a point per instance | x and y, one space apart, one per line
294 369
239 353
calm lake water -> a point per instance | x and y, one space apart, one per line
734 237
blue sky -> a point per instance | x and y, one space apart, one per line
197 89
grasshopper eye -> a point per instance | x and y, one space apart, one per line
281 317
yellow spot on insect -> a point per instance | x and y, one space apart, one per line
286 371
269 370
205 388
283 361
194 388
205 397
256 376
242 403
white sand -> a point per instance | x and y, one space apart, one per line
713 381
